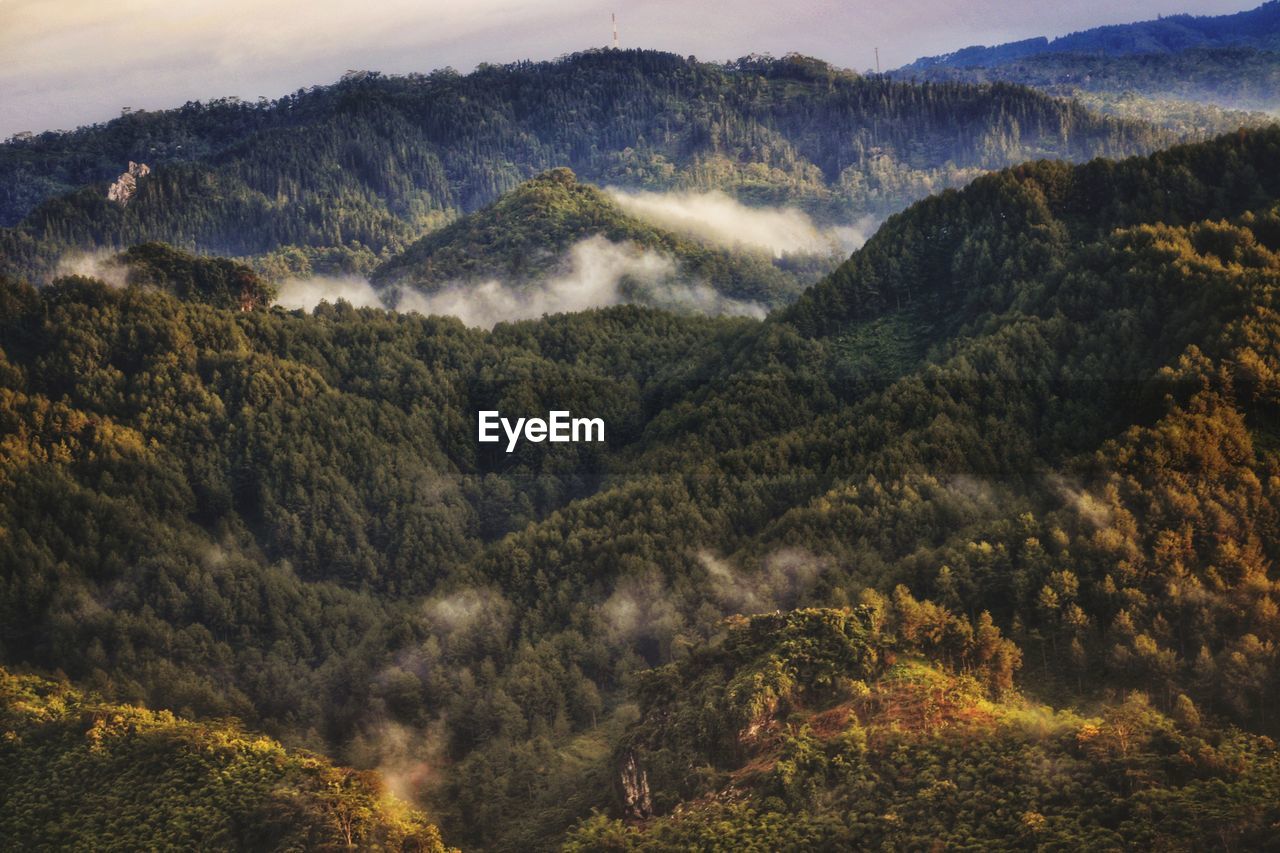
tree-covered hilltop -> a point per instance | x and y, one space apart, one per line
217 281
523 238
835 730
1020 224
82 774
357 169
1048 398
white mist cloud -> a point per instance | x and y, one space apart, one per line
718 218
596 273
307 293
641 608
781 580
1092 510
467 609
100 265
406 758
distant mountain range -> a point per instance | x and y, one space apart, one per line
1258 28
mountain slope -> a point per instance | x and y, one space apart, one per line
1183 73
925 257
1215 89
1038 456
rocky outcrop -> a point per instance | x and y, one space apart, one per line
635 789
127 184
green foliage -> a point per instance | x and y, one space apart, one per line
712 710
80 774
712 702
1006 777
217 281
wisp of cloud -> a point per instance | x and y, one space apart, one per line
718 218
597 273
100 265
307 293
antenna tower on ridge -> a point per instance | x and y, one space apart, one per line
614 15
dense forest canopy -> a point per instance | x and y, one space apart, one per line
1004 485
858 729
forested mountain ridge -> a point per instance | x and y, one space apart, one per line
1041 405
1058 202
1256 28
353 171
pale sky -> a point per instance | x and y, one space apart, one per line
65 63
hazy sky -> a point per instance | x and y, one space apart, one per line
65 63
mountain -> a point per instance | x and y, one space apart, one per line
1043 406
349 174
78 771
924 257
1258 29
525 238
